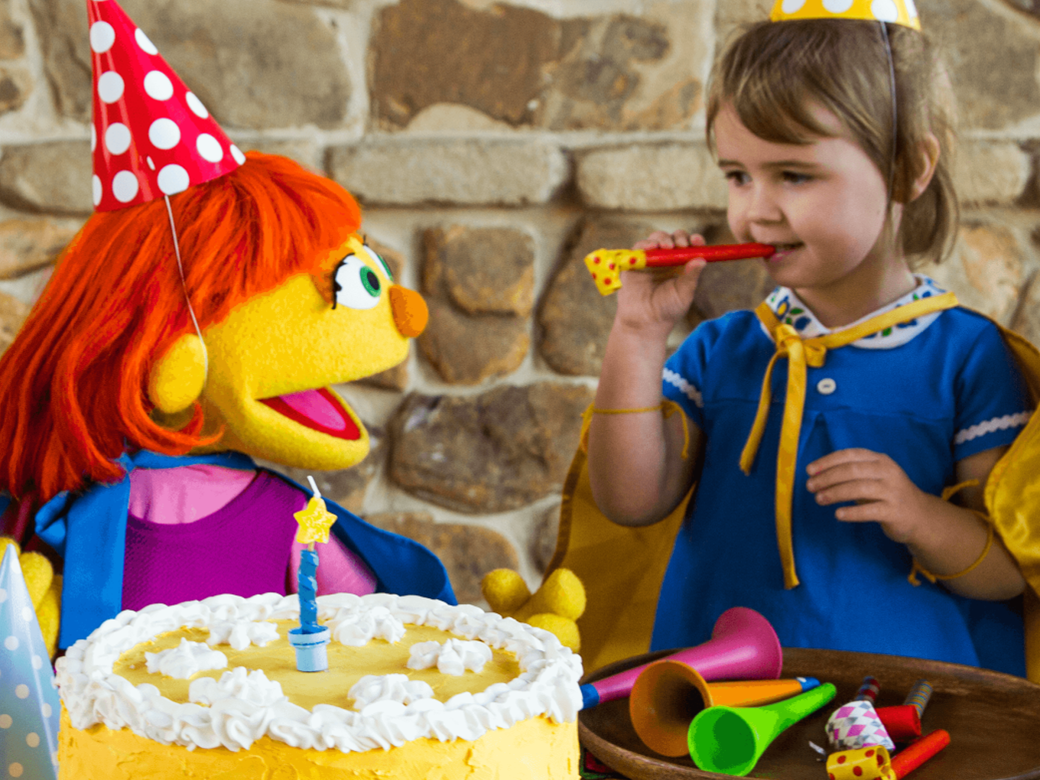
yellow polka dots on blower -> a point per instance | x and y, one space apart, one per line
902 12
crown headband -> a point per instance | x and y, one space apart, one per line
902 12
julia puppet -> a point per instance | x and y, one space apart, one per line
197 320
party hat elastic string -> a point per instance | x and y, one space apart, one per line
184 286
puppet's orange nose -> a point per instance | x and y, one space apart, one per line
410 312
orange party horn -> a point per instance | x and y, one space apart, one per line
667 696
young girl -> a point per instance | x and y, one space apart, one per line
828 428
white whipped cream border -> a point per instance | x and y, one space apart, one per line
92 693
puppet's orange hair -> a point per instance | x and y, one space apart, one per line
73 385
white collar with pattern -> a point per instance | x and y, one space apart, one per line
789 309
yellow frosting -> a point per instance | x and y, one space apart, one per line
534 749
347 665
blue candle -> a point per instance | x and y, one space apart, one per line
307 586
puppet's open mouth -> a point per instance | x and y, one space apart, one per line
316 409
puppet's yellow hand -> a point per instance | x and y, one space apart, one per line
555 606
44 589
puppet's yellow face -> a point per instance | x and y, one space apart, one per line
271 362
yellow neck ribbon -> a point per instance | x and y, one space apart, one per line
801 353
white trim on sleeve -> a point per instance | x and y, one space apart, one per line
989 426
685 387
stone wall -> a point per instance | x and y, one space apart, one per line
491 146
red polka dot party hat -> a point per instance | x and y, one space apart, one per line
150 135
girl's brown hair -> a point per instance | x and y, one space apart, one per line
775 72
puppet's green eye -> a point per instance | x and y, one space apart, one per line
370 281
356 285
382 263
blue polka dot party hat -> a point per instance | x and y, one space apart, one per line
902 12
28 699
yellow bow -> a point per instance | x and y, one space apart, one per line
800 354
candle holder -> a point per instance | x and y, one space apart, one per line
311 655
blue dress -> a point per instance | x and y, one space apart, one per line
927 394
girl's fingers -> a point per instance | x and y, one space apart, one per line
845 472
872 512
659 239
858 490
852 455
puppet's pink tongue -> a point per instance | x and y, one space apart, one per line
316 409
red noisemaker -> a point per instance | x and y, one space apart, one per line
903 722
606 265
919 751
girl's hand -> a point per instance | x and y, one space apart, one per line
883 492
657 299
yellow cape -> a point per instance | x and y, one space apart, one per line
622 568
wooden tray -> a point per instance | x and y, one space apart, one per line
993 720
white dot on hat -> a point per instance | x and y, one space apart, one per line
143 41
237 154
173 179
11 643
3 595
37 662
164 133
32 739
158 85
790 6
837 6
196 106
15 769
95 186
22 691
209 148
6 721
117 138
110 86
125 186
45 708
911 8
27 614
884 10
102 36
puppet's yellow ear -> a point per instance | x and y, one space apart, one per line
178 376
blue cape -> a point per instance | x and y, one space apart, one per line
88 530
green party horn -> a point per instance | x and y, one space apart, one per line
730 740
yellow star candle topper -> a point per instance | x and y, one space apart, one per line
314 519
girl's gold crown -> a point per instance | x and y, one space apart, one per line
895 11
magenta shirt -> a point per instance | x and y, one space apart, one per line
242 548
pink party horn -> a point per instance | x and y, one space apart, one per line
743 646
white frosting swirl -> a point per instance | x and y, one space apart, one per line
185 660
242 706
355 628
240 683
388 687
240 634
452 657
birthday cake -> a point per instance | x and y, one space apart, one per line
414 688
